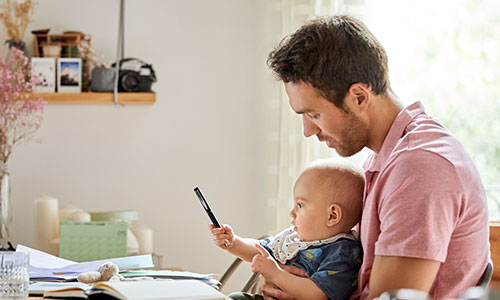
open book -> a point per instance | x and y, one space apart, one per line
142 290
39 287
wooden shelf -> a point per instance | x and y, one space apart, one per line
99 98
495 249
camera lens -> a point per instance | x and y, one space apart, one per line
129 82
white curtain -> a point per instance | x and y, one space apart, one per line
295 151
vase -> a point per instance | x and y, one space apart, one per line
19 45
5 209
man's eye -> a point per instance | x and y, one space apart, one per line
313 116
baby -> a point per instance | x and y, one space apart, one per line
328 200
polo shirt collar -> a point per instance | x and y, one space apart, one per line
398 127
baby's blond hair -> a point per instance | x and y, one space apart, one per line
343 183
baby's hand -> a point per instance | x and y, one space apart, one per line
223 237
264 263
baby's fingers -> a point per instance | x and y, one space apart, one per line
221 240
257 263
215 230
222 243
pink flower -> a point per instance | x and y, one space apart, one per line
21 112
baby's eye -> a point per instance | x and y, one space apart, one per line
299 205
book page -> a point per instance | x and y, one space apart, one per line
39 287
161 289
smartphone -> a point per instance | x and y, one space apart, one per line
206 207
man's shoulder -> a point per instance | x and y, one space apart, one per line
425 159
428 145
417 161
422 140
426 137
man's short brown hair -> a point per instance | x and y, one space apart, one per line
331 54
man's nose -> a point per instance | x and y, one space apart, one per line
310 128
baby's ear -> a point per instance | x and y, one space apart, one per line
334 215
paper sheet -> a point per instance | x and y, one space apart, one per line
44 265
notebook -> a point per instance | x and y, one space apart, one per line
142 290
87 241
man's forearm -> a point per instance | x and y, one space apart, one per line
392 273
300 288
271 292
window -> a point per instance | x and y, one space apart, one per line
447 55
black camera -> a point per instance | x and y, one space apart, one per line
135 76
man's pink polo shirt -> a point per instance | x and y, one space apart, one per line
424 199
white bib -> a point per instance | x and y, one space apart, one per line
286 244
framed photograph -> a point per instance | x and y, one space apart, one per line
69 75
45 69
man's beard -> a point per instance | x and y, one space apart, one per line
353 136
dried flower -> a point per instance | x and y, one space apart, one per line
86 51
21 112
16 16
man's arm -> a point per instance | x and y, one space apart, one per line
298 287
271 292
392 273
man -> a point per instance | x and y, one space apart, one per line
425 220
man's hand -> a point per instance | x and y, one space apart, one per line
272 292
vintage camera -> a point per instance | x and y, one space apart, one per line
135 76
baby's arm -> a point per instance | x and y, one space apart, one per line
225 239
295 286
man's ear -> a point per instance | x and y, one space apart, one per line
359 96
334 215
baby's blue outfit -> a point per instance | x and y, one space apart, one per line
332 264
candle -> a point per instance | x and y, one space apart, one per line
65 210
47 221
132 243
80 216
144 236
54 246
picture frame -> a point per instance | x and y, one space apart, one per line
69 75
45 69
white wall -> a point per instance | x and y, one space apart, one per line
208 127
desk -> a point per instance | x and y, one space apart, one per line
41 298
